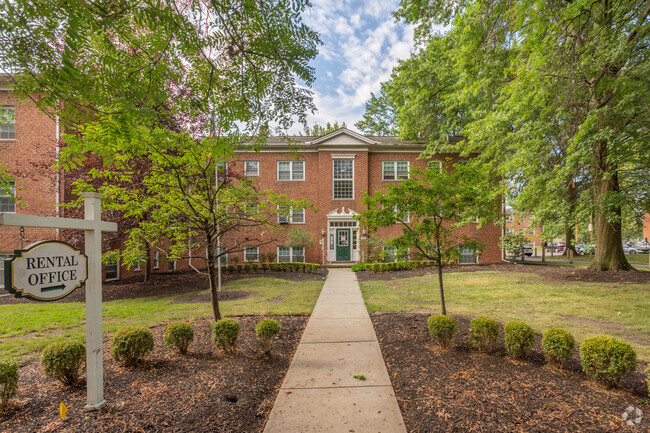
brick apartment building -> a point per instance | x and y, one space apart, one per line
331 171
521 223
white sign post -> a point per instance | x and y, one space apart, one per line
93 227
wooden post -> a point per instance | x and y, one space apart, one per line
94 353
570 254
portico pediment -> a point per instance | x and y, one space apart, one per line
342 214
342 138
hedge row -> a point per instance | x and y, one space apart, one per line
392 266
605 359
279 267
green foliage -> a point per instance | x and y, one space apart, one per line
607 359
8 382
359 267
483 333
64 360
265 266
514 244
299 237
247 267
254 267
271 256
179 335
519 338
225 333
318 130
129 345
379 117
240 268
442 329
557 345
265 331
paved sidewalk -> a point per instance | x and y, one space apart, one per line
320 393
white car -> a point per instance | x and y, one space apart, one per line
629 250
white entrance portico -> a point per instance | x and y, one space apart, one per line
342 236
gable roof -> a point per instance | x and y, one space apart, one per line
342 131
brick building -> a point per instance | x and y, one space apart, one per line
522 223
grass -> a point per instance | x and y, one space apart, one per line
25 329
584 309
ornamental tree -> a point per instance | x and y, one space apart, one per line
430 206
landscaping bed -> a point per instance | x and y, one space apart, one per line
203 391
460 389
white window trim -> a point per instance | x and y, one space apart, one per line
429 163
291 179
408 173
171 265
137 267
258 168
156 260
13 107
118 270
14 193
291 254
290 217
353 173
252 261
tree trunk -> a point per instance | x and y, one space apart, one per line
147 266
543 251
213 282
570 241
442 291
609 241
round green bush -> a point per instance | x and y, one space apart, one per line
8 382
63 361
442 329
606 359
557 345
225 333
266 330
130 344
483 333
519 338
178 336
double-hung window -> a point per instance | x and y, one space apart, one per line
291 170
291 254
294 216
113 270
156 260
392 254
252 168
435 165
252 254
395 170
343 178
8 198
7 123
3 257
222 172
222 260
467 255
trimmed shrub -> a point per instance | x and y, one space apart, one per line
225 333
442 329
265 266
178 336
483 333
239 268
247 267
64 360
557 345
254 266
519 338
606 359
130 344
358 267
231 268
8 382
266 330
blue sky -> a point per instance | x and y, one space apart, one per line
361 44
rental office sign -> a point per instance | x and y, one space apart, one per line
46 271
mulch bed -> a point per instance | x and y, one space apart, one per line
204 391
173 283
461 390
550 273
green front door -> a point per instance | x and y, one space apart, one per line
342 245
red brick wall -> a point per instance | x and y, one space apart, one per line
646 227
29 158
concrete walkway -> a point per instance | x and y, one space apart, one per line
320 393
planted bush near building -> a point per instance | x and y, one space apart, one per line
483 333
178 336
607 359
8 382
442 329
64 360
129 345
265 331
519 338
557 345
225 333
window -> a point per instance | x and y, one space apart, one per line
531 231
137 267
3 257
510 218
7 123
437 165
156 259
296 216
391 254
113 271
510 231
291 254
222 259
395 170
172 265
343 178
252 168
291 170
8 198
252 254
251 210
404 217
222 172
467 255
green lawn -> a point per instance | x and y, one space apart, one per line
25 329
584 309
637 258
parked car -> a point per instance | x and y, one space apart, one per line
561 246
629 250
642 247
581 249
528 251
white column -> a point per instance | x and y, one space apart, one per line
94 356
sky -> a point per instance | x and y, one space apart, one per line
361 44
